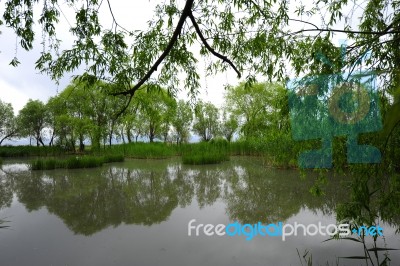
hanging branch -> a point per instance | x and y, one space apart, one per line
187 12
209 48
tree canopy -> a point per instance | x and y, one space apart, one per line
249 36
8 127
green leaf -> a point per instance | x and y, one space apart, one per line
392 119
15 62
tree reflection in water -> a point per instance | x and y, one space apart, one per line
146 192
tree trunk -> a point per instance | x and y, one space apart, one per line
111 132
96 139
128 135
151 134
51 139
81 145
41 141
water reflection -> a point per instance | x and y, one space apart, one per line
256 194
149 203
145 193
6 191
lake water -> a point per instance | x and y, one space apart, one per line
137 213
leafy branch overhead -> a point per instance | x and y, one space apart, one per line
251 37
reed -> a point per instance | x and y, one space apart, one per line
74 162
24 151
143 150
205 153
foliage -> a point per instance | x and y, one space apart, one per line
206 120
229 125
82 111
158 109
32 120
259 108
25 151
113 158
141 150
205 152
74 162
8 127
264 39
182 121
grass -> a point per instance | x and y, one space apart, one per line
211 152
113 158
278 150
24 151
74 162
142 150
246 148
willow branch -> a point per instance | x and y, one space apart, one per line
185 13
113 17
209 48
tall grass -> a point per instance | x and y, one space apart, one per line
24 151
143 150
248 147
74 162
211 152
110 158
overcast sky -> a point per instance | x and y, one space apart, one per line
18 84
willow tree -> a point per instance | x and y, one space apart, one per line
8 126
206 120
32 120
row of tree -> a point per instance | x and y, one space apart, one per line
80 113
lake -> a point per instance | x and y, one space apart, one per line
137 213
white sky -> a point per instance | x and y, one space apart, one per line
18 84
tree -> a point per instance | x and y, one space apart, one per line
157 108
256 107
229 125
182 121
206 120
134 123
8 127
54 109
72 108
111 104
32 120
